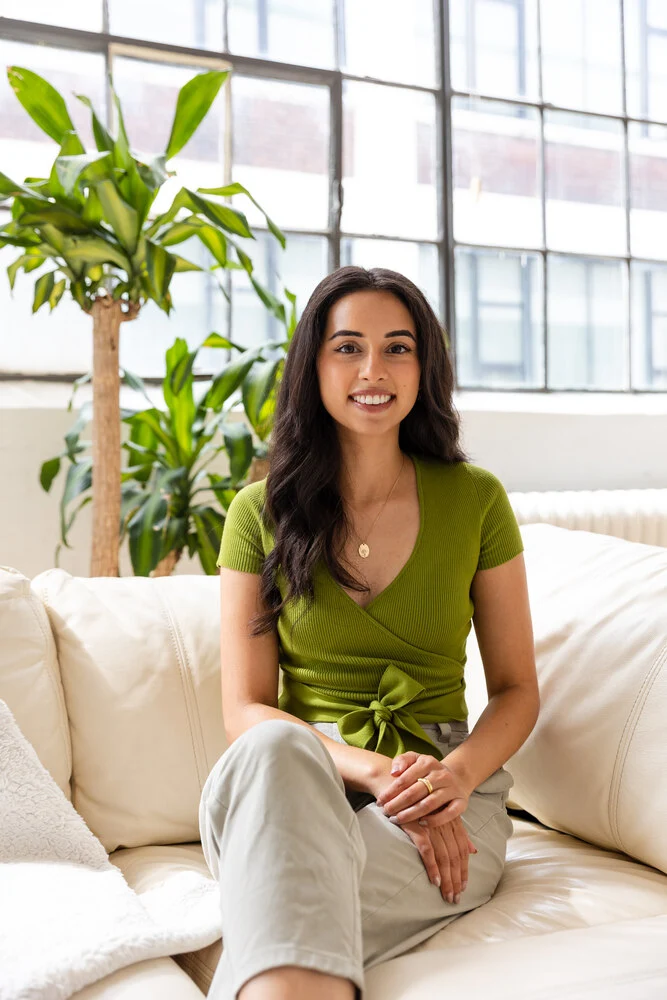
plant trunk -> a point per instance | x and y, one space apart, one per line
107 317
259 469
166 566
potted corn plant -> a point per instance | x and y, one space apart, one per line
89 228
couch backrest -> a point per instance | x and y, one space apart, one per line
595 764
140 666
29 675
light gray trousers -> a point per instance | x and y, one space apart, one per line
314 875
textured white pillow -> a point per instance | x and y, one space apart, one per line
140 665
595 765
30 677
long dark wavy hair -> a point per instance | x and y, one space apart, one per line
303 507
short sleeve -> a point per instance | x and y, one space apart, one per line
241 545
500 537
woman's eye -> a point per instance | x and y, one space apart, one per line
405 349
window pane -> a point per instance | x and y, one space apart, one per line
389 174
584 183
587 324
281 150
299 267
58 342
646 59
494 47
417 261
498 319
83 14
293 31
581 54
196 24
649 326
390 40
26 151
148 92
496 173
648 189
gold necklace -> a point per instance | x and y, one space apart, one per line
363 550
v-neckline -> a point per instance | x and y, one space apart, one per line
411 558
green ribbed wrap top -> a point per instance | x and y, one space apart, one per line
381 671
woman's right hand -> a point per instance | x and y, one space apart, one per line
444 851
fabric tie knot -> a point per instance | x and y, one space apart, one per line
381 712
380 726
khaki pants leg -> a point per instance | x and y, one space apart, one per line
306 881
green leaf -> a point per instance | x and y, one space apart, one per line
236 188
10 189
161 266
103 140
238 442
43 103
145 543
121 147
48 472
185 265
91 167
37 214
208 525
153 172
257 388
229 379
84 417
43 289
136 383
222 215
142 435
79 479
180 401
217 340
194 100
93 250
122 218
57 293
152 417
76 385
28 262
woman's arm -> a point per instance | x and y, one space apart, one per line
504 631
250 678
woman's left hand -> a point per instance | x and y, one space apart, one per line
408 799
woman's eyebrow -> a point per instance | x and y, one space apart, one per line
355 333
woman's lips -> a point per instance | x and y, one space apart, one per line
380 407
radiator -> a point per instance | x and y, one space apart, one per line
638 515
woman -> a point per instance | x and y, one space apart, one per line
354 815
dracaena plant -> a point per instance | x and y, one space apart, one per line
89 224
170 500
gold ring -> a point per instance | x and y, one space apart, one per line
428 784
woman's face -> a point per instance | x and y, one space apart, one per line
369 346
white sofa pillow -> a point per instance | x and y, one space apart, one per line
140 664
595 765
30 677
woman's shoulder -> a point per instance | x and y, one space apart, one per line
465 471
465 478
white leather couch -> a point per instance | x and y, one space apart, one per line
115 682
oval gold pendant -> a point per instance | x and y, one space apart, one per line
363 550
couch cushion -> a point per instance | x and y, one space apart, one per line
157 977
30 678
551 882
594 764
619 961
140 664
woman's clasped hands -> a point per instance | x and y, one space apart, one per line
431 820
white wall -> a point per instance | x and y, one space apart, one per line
531 441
